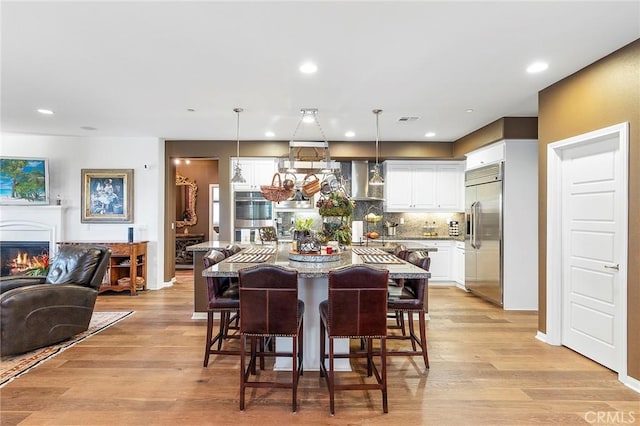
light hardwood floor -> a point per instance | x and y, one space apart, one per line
486 369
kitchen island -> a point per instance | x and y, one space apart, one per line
199 250
312 289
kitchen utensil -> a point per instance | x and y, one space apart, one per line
289 181
329 184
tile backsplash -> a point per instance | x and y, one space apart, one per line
413 222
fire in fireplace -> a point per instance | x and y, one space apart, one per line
16 257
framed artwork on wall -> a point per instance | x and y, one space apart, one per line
24 180
107 196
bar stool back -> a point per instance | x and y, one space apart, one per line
222 298
356 308
269 307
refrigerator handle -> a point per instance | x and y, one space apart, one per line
472 225
476 217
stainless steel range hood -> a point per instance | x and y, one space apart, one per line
360 181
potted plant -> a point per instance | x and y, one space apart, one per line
301 228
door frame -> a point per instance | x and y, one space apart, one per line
554 228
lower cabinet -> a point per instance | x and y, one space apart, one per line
458 264
440 260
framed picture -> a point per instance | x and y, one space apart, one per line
24 180
107 196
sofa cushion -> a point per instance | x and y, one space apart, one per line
74 265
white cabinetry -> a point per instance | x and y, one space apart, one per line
441 261
486 155
256 172
423 186
458 263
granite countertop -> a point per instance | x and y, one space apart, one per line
315 269
422 237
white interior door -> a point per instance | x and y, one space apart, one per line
593 249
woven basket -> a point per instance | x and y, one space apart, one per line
126 281
276 192
310 185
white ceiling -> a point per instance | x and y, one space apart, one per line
133 69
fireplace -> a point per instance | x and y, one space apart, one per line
28 232
16 257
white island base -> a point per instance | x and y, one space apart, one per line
312 291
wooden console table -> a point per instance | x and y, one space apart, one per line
127 267
184 257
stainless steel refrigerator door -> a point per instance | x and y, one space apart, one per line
470 255
486 239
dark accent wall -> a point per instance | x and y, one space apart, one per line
600 95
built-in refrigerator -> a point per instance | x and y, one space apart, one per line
483 240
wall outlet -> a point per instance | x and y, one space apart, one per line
402 221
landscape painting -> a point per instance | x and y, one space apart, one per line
24 180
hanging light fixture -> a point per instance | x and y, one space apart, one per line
376 179
237 170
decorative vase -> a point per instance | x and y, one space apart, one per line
299 236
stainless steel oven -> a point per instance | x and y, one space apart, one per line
252 210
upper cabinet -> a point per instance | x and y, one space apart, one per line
424 186
487 155
256 172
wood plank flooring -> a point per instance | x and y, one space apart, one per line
486 369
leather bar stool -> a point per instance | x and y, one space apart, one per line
223 298
394 284
412 301
269 307
356 308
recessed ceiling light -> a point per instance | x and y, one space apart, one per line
468 110
308 68
269 134
187 161
44 111
176 161
537 67
350 134
429 134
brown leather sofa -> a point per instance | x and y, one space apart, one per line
40 311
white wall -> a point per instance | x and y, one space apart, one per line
67 155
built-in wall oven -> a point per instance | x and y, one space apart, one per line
252 211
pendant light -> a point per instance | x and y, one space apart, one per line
376 179
237 170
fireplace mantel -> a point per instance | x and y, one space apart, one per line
32 223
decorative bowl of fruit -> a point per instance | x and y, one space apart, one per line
372 217
372 235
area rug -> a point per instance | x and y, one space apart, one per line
17 365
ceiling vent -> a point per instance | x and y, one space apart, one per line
408 119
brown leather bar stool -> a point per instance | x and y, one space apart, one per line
402 253
356 308
223 298
269 307
412 300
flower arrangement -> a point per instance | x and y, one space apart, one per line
39 266
336 204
